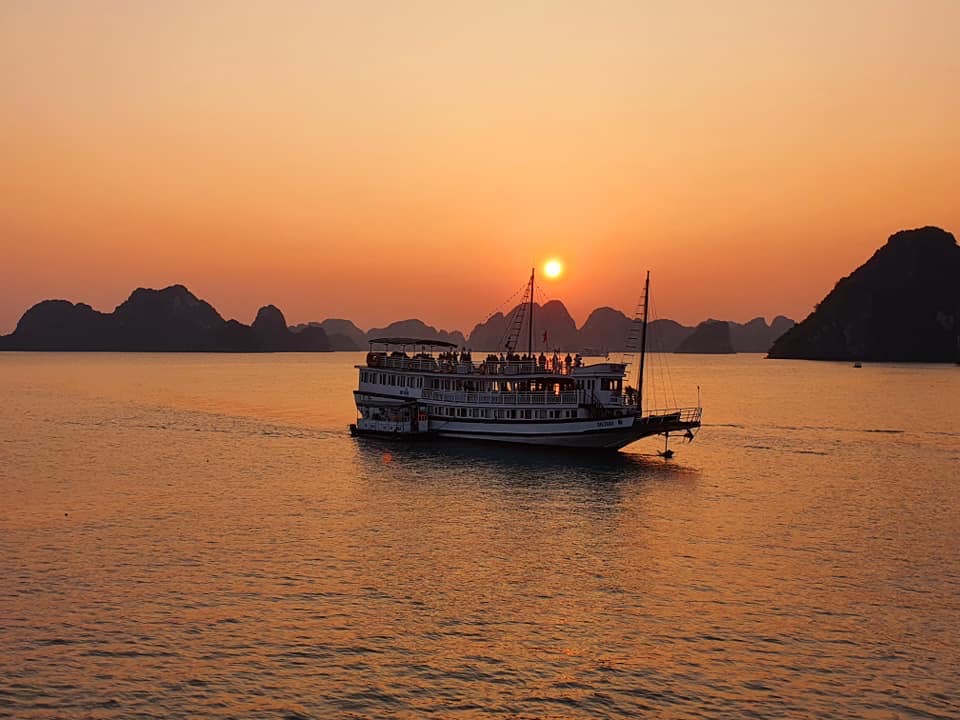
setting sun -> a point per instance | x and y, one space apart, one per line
553 268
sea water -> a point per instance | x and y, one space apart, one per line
199 536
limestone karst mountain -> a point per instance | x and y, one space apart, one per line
174 319
168 320
709 337
902 305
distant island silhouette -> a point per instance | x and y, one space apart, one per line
169 320
902 305
173 319
711 336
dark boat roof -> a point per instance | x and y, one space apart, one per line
412 341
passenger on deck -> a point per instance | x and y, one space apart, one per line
568 361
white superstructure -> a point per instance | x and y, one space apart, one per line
420 388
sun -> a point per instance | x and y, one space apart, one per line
553 268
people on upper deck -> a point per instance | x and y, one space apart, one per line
542 361
568 361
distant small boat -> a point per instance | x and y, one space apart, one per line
858 364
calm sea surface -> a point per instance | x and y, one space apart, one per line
198 536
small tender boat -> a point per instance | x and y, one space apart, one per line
413 389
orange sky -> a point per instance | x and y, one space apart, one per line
378 160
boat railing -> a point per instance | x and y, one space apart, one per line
672 415
523 367
424 364
485 367
501 398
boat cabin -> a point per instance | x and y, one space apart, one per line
434 370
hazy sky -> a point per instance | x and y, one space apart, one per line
383 160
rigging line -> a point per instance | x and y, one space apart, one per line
508 327
656 362
506 302
673 394
514 328
668 386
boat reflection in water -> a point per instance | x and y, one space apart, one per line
514 463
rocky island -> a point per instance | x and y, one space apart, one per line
169 320
173 319
710 337
902 305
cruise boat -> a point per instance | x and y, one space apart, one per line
419 389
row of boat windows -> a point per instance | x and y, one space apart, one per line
501 414
379 378
469 385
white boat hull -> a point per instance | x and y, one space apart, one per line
597 434
605 439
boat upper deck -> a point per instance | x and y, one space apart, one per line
449 361
454 364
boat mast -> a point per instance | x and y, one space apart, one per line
530 328
643 343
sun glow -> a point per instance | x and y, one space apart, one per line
553 268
